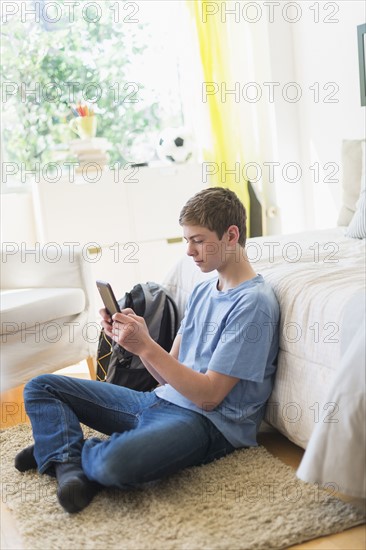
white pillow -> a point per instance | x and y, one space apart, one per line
351 178
357 226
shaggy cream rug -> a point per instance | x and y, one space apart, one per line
247 500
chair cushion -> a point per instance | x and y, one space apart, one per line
30 306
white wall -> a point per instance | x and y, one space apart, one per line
327 53
308 48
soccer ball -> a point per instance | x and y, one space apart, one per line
175 145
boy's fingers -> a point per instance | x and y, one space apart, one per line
103 313
107 327
123 317
127 311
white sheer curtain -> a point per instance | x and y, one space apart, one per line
269 131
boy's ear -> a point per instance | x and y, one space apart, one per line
233 234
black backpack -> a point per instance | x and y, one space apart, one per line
117 365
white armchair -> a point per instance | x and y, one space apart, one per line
47 313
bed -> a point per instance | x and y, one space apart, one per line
318 396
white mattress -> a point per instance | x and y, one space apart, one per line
313 292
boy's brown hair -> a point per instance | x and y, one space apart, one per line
215 209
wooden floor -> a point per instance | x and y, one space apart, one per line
13 412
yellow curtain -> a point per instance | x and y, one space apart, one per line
227 141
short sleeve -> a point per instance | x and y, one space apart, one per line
246 345
183 321
182 325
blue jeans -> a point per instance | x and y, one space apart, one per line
149 437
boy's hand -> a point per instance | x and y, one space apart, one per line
130 331
106 322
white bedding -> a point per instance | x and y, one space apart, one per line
313 292
336 453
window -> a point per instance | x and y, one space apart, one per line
120 58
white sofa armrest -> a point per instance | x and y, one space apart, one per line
47 267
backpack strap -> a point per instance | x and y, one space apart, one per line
137 300
173 314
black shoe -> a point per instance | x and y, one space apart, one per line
25 460
75 491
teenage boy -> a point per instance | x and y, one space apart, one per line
214 382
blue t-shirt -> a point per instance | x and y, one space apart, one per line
233 332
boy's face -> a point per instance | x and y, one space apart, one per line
204 246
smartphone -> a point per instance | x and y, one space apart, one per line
108 297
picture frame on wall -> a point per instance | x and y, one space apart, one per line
361 40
